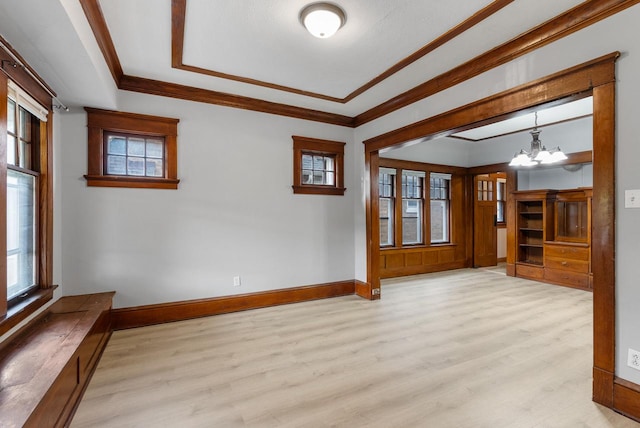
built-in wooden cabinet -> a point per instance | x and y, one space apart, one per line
553 236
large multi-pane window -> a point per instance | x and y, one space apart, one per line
412 207
23 136
386 185
439 194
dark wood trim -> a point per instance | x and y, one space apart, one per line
178 14
19 312
465 25
335 149
45 203
565 24
25 76
4 92
173 90
603 232
47 363
626 398
372 195
140 316
596 77
581 16
363 290
101 121
94 15
566 83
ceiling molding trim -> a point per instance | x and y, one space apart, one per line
93 12
571 82
581 16
178 16
529 128
190 93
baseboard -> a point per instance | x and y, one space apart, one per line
626 398
364 290
141 316
603 387
502 259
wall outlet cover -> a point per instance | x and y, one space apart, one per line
634 359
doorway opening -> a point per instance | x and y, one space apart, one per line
596 78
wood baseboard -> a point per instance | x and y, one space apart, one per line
626 398
603 387
141 316
364 290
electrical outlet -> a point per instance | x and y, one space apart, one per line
236 281
634 359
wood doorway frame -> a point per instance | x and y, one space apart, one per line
596 77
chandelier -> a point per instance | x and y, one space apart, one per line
538 153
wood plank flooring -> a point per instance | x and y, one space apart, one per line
467 348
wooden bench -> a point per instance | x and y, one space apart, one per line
46 366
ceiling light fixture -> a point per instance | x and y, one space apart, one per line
322 19
539 153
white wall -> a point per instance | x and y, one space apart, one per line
617 33
234 213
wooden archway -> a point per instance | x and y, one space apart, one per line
596 77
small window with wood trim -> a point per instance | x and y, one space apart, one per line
131 150
318 166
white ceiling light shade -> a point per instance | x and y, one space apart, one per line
322 19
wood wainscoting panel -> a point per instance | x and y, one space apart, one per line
140 316
395 262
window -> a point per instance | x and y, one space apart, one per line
386 183
439 190
501 200
28 198
22 178
412 207
131 150
318 166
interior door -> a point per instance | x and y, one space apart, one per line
485 232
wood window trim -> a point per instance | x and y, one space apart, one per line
306 145
12 313
101 121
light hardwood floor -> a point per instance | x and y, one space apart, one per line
467 348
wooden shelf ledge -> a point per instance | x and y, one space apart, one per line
47 364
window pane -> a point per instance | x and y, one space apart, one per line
330 178
21 249
412 221
307 176
386 221
135 166
11 116
318 177
25 154
155 149
11 150
116 165
117 146
135 147
439 221
25 124
328 164
307 162
154 168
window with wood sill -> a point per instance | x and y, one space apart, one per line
318 166
26 192
131 150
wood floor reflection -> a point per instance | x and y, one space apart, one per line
467 348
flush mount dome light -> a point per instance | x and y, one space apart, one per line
322 19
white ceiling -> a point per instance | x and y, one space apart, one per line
260 39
